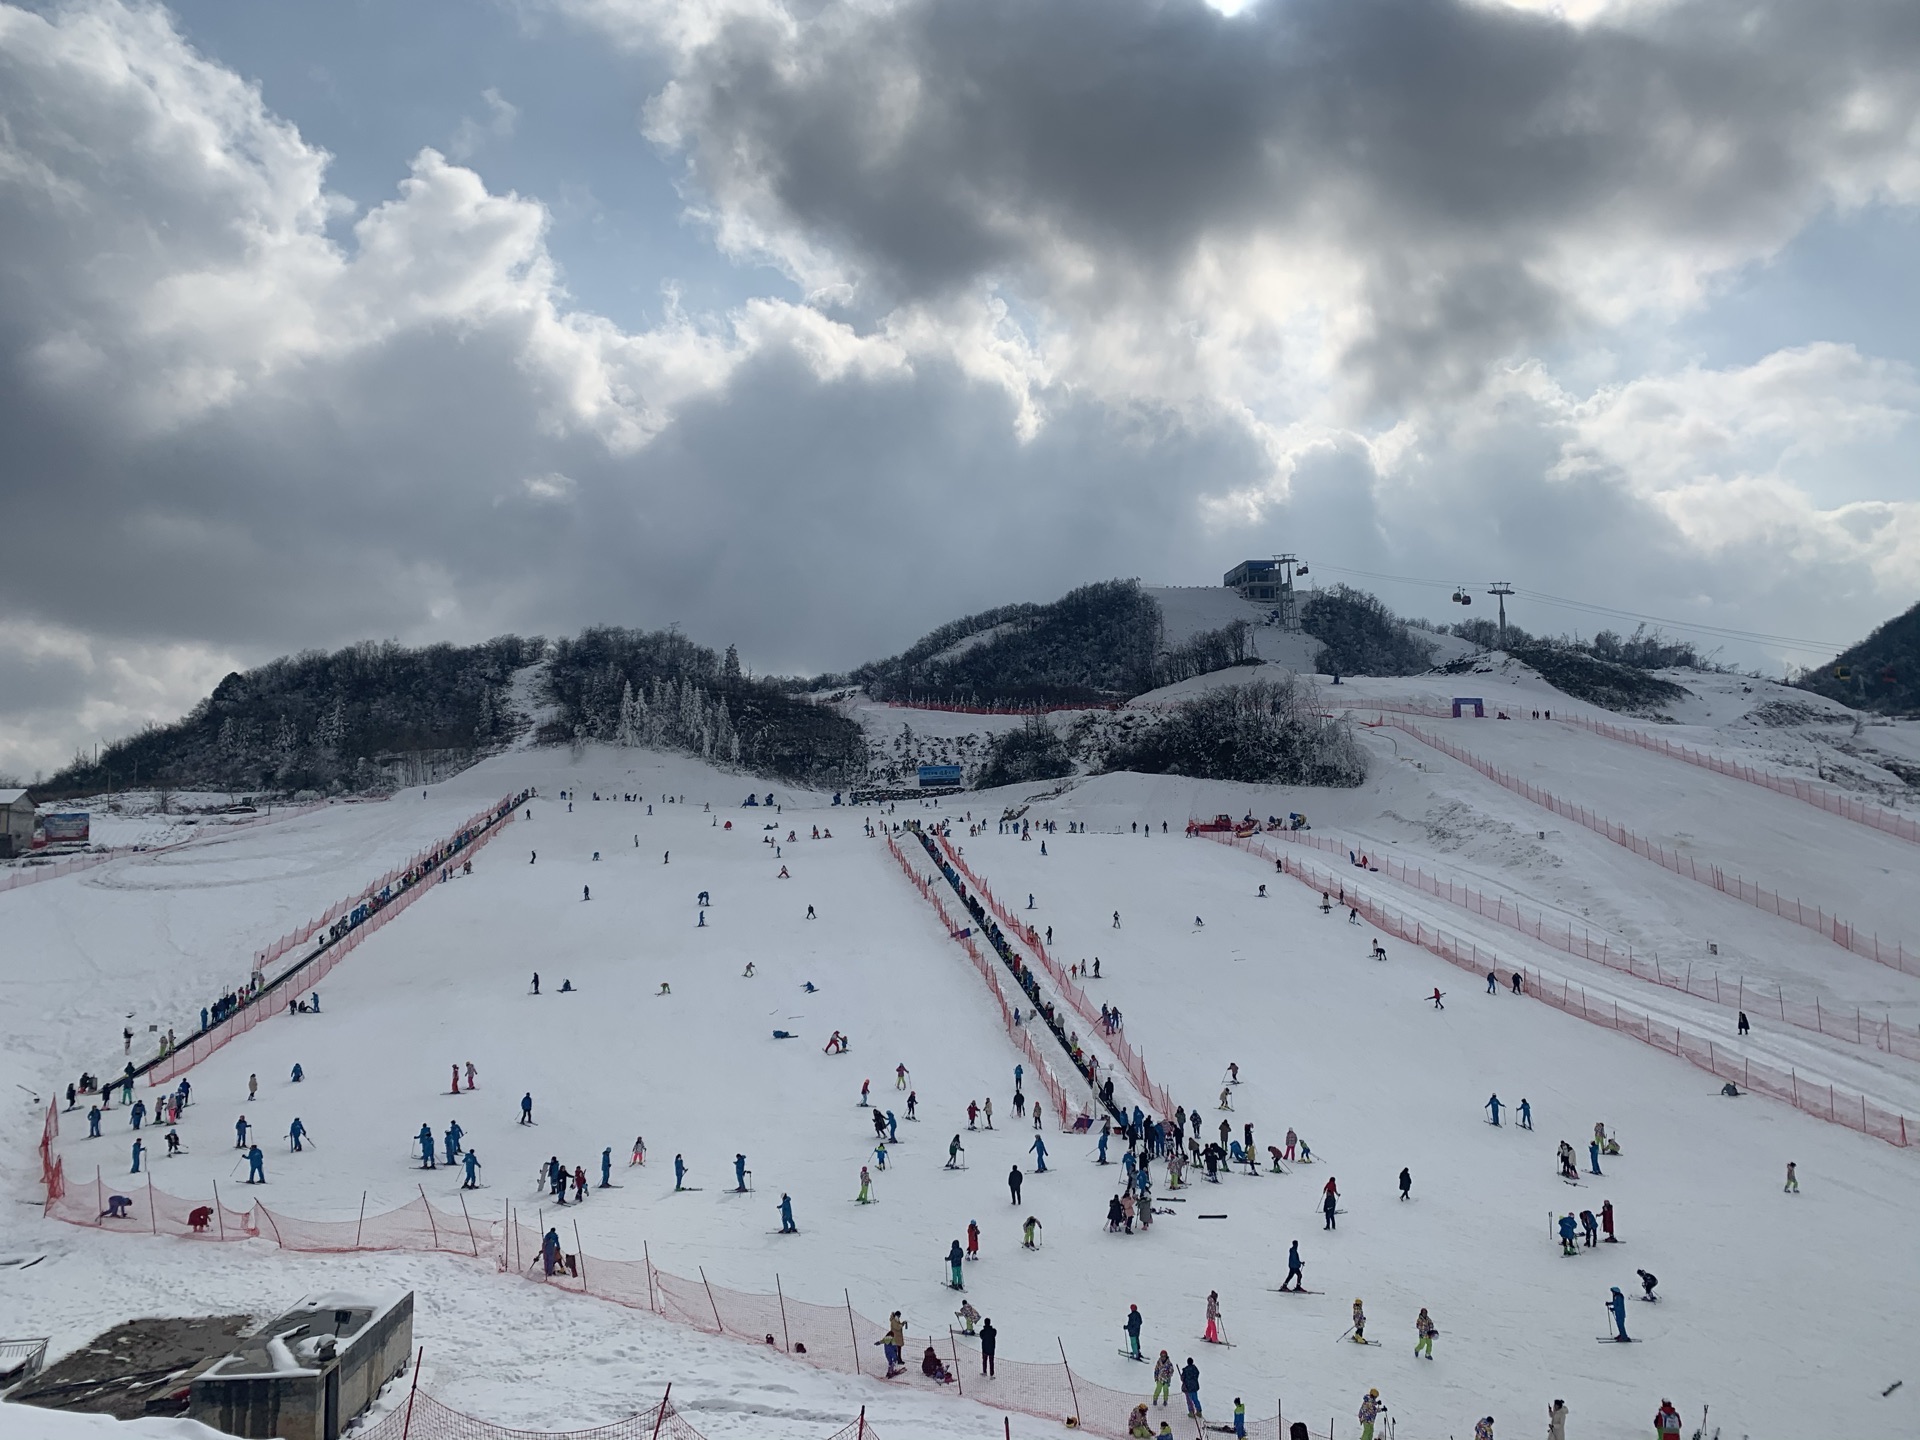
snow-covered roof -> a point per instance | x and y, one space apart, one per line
12 797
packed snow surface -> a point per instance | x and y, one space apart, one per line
1788 1314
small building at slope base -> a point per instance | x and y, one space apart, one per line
306 1375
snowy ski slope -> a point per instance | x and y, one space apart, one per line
1789 1314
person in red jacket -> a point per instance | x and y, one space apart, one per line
1666 1422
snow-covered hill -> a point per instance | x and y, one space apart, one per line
1787 1314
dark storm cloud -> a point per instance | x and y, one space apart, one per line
1468 158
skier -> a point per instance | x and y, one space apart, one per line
1292 1140
1593 1156
425 1141
472 1075
1294 1268
93 1123
1190 1388
1039 1149
893 1129
1212 1335
456 1079
1424 1330
240 1128
1330 1203
1406 1182
173 1143
639 1151
1132 1326
1370 1408
986 1111
955 1259
866 1089
913 1104
1030 1234
1013 1184
1162 1380
1606 1220
973 1239
892 1342
139 1149
296 1132
1100 1142
1567 1230
967 1316
989 1343
1436 999
1493 1107
454 1132
865 1197
472 1182
1744 1026
253 1088
1526 1114
1666 1421
787 1227
1483 1428
1359 1323
1493 982
1792 1187
954 1151
526 1108
679 1174
298 1073
1557 1420
900 1076
1647 1281
1590 1228
1618 1307
606 1168
739 1174
256 1166
550 1251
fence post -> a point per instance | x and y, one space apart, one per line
360 1224
660 1418
852 1334
406 1425
718 1324
432 1229
1071 1390
783 1314
954 1345
580 1256
647 1255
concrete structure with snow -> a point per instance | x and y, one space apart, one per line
306 1375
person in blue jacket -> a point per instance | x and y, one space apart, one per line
93 1122
740 1174
1493 1107
679 1173
787 1227
526 1108
1568 1229
452 1140
893 1129
240 1133
472 1162
1105 1131
296 1132
550 1251
298 1073
1039 1148
256 1166
425 1138
139 1148
606 1168
1593 1156
139 1113
1526 1114
1618 1306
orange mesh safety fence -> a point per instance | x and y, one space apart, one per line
1131 1062
1044 1075
421 1417
1878 817
1824 1101
1893 954
1735 992
425 870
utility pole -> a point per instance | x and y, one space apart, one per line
1289 614
1500 589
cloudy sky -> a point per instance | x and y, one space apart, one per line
808 324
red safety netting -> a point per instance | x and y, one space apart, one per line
416 1225
1841 933
1132 1063
421 1417
1827 1102
1847 807
420 874
1044 1074
148 1210
1736 992
52 1171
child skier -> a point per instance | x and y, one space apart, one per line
1359 1323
